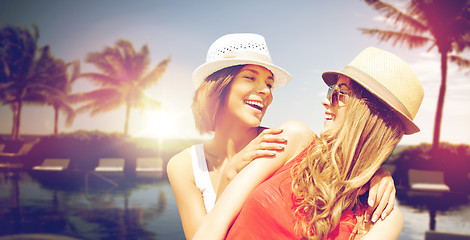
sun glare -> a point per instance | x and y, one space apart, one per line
155 124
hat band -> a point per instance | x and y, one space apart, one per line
255 56
378 88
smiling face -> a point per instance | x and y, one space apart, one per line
249 96
335 109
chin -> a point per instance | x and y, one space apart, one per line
255 124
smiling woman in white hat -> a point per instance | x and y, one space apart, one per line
370 105
233 91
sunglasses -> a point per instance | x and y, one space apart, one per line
336 96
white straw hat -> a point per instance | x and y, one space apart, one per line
389 78
239 49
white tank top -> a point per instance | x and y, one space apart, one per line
201 176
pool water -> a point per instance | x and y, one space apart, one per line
133 210
136 209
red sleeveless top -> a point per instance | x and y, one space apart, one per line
268 212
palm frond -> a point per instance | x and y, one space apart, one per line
133 63
413 41
95 95
107 104
50 90
104 61
69 112
153 103
5 70
84 108
409 23
140 63
462 37
95 106
143 101
5 85
38 93
101 79
75 70
127 48
462 44
120 56
463 63
155 74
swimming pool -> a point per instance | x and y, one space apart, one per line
135 209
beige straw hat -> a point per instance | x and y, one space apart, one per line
389 78
239 49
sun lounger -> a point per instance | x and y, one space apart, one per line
425 180
433 235
110 166
149 167
24 149
53 164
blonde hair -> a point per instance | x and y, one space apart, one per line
326 183
210 96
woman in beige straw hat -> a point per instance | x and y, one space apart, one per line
370 105
234 89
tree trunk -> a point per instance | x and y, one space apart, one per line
440 103
56 121
16 108
14 111
126 123
18 120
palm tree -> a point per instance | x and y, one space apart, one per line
440 23
20 71
122 80
61 79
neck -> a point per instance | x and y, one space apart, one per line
229 140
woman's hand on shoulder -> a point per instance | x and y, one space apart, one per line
298 136
266 145
381 199
291 136
269 142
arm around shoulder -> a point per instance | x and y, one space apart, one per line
220 218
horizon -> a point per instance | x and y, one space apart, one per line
308 39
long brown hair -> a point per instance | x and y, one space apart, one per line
327 181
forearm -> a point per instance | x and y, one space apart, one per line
224 181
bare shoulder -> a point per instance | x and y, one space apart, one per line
297 131
180 164
294 125
298 135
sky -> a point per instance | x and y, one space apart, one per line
304 37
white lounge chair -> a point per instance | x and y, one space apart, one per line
53 164
433 235
24 149
149 167
427 181
110 166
